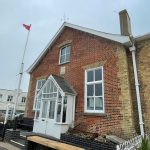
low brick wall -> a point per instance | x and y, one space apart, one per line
87 143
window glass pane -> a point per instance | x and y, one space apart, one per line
64 109
58 112
98 74
63 51
52 87
98 89
68 50
48 87
53 95
37 114
62 59
55 88
90 103
59 95
58 117
40 83
43 81
67 57
44 109
90 90
45 90
38 104
98 103
46 95
39 96
52 109
90 76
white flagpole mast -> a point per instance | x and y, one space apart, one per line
20 76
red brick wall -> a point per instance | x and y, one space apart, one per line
86 49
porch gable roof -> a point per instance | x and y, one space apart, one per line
64 85
61 83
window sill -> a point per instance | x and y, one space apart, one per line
63 63
36 120
94 114
61 123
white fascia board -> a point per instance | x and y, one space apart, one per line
30 69
114 37
143 37
125 40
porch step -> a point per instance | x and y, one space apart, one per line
20 143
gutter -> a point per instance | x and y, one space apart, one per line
133 51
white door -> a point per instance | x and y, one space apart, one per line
47 114
43 116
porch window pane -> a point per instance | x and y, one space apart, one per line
38 104
44 110
64 109
52 109
58 117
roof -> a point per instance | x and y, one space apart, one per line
125 40
64 85
61 83
142 37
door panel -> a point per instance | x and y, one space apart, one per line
43 116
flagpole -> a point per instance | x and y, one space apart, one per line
20 75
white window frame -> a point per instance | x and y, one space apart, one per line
36 91
64 54
85 91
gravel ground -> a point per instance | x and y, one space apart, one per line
7 146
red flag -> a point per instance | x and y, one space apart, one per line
27 26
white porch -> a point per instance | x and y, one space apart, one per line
55 106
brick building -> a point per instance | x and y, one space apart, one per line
85 79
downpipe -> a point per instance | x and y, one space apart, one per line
133 50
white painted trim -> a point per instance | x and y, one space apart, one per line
73 110
125 40
133 50
85 91
143 37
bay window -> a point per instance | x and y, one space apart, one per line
37 100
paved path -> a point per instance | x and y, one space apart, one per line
7 146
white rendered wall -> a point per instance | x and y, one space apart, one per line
4 102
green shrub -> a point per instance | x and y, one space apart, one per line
145 145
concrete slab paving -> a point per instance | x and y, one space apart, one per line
7 146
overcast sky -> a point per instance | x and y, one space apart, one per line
46 17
